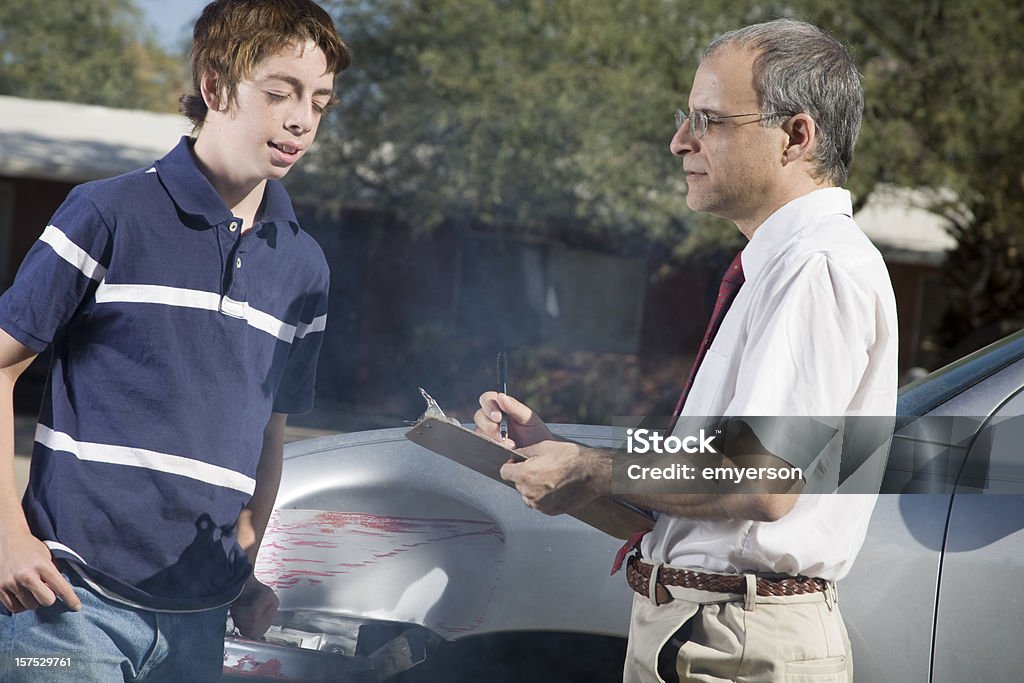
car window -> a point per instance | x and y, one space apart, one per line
941 417
928 393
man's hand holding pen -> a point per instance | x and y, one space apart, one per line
557 475
525 428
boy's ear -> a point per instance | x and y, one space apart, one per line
212 92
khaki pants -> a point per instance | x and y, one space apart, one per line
717 637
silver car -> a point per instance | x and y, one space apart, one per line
393 563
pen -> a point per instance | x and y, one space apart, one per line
503 389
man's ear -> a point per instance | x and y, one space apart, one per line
213 93
803 135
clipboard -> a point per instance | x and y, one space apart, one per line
446 437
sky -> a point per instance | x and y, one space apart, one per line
172 19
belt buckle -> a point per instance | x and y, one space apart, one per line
661 594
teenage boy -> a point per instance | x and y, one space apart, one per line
185 310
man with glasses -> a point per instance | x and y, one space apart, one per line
740 584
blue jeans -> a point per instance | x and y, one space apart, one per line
107 641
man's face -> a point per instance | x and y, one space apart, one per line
276 113
734 170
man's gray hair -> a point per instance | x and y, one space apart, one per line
801 68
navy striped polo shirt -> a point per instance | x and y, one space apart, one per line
174 337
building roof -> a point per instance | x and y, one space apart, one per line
77 142
905 232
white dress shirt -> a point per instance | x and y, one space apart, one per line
812 332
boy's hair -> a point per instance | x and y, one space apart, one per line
232 36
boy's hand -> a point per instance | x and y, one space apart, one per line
28 576
253 611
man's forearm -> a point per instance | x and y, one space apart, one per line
714 500
764 507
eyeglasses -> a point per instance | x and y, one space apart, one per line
699 120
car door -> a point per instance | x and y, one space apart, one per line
979 627
911 600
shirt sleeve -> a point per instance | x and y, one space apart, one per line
297 388
806 353
59 273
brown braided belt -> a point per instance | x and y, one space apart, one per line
638 574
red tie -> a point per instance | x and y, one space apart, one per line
731 283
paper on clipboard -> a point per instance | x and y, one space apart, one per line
446 437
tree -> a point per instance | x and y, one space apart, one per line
87 51
554 116
530 115
945 86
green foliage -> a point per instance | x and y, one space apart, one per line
553 116
945 94
527 115
88 51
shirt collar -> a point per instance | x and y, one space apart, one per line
772 236
194 195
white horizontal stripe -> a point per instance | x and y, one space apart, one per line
270 324
72 253
319 324
194 298
151 460
53 545
157 294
